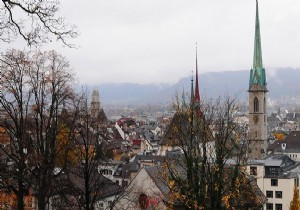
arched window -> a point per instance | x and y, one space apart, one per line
143 201
256 104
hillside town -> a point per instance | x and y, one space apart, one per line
59 149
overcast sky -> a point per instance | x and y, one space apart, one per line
151 41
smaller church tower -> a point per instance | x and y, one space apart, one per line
257 100
95 104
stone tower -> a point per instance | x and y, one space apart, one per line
257 100
95 104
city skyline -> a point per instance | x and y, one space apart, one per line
154 41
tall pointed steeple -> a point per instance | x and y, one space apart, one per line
257 142
197 94
257 74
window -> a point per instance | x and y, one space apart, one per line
269 194
278 206
106 172
296 182
269 206
117 181
256 104
143 201
124 183
272 171
274 182
265 106
109 203
253 171
278 194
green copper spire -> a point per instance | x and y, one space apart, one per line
257 74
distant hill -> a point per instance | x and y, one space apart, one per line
282 83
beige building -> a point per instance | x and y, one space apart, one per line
145 191
276 177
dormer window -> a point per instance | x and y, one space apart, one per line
256 104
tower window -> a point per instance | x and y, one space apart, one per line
265 106
256 104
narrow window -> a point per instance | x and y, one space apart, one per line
256 104
297 182
265 110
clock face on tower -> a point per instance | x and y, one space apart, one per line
255 119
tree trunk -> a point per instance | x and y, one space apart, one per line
20 196
43 191
41 201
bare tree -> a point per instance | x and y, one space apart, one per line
36 21
35 88
15 97
51 82
209 174
87 140
83 184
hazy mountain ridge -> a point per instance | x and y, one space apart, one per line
282 83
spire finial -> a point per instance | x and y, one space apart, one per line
197 95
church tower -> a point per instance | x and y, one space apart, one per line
257 100
95 104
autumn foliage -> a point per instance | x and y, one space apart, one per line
295 203
209 174
9 201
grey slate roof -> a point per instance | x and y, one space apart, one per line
291 141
